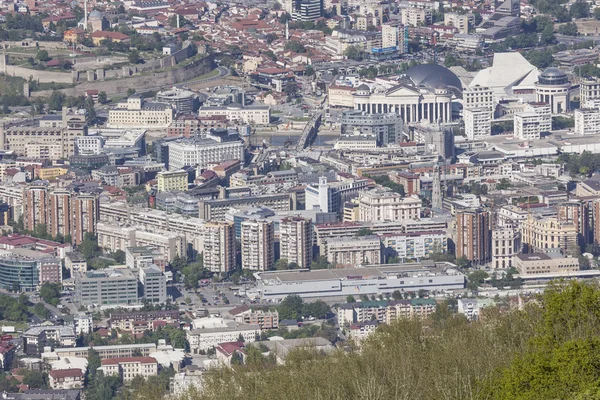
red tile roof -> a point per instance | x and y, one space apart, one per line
109 35
66 373
119 360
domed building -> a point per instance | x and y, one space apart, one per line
553 88
426 95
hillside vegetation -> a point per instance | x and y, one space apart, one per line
548 350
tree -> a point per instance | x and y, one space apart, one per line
42 55
579 9
364 231
56 100
354 53
503 184
290 307
476 278
295 46
451 61
309 71
90 109
134 57
350 299
271 37
102 98
41 311
597 12
281 264
119 256
89 246
320 263
50 293
36 379
569 29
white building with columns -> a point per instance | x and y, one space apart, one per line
427 95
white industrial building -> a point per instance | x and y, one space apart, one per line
370 280
209 332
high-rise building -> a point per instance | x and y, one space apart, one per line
479 97
436 191
536 119
257 245
59 213
62 211
307 10
506 244
478 122
587 121
578 213
34 203
543 235
218 247
473 235
154 284
296 240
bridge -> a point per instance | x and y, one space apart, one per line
310 132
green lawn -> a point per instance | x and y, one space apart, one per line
207 75
17 325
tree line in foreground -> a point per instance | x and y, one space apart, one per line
548 350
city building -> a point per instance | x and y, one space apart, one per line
427 95
394 37
251 114
107 287
296 240
414 16
209 332
587 121
257 240
137 113
415 245
330 196
545 263
111 351
26 270
471 308
382 204
140 321
37 337
83 323
201 152
307 10
359 250
154 284
182 101
473 235
544 235
478 122
169 181
128 368
66 379
589 89
506 244
144 256
459 21
264 319
384 312
535 120
553 88
371 280
387 128
53 142
218 247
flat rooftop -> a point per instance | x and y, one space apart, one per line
370 272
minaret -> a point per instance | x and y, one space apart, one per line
436 191
85 15
287 30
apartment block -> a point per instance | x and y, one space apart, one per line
209 332
478 122
587 121
360 250
257 241
413 16
202 152
416 245
459 21
169 181
535 120
506 244
473 235
218 247
36 337
66 378
384 312
296 240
